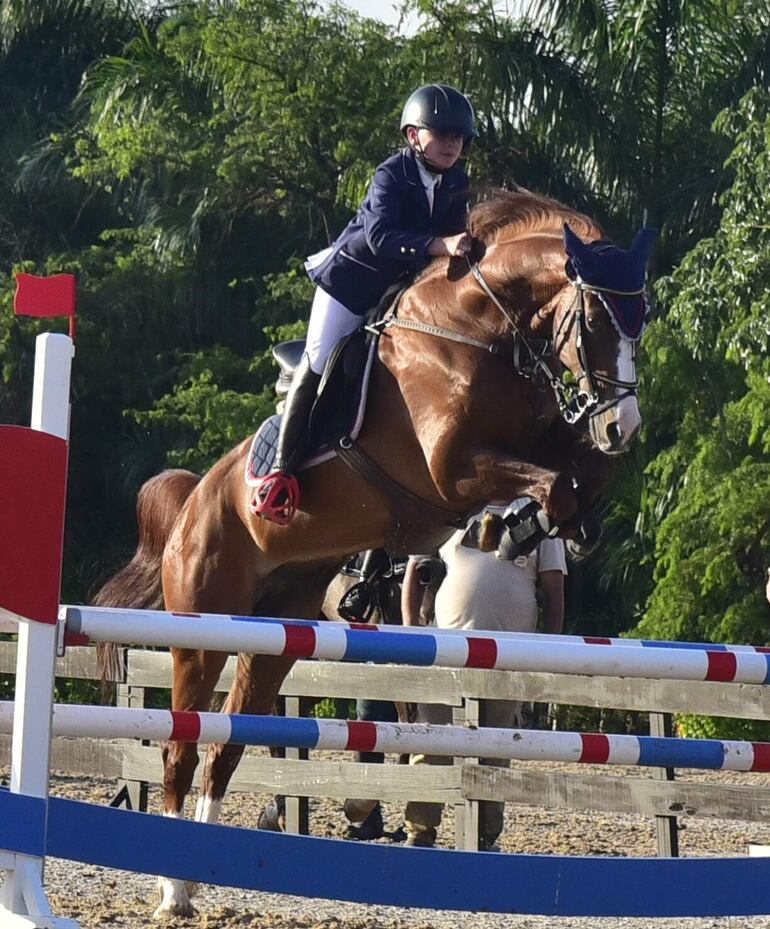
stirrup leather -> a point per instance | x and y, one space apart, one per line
276 498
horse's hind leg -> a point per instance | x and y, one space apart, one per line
195 676
258 678
255 689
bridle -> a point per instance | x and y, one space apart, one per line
582 403
533 357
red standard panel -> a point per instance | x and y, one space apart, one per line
33 484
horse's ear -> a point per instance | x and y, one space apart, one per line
573 244
640 247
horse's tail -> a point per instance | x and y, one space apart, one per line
138 584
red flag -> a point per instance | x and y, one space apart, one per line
45 296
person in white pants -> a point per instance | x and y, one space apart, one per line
481 591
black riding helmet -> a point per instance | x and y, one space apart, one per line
442 109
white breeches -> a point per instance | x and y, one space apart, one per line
329 322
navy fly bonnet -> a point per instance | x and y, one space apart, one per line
615 275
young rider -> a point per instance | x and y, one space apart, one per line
415 208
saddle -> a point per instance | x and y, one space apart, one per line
338 411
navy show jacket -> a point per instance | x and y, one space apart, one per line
388 237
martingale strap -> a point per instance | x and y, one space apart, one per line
438 331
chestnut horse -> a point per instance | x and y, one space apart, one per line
451 418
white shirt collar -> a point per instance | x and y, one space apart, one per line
428 179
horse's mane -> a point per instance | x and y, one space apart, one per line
521 211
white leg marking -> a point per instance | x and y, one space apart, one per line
174 898
208 810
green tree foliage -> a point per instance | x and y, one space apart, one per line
241 119
708 505
542 122
665 164
183 158
664 69
45 47
220 137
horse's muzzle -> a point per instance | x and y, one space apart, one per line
613 430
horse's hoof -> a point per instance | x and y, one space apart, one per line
357 811
186 910
174 899
273 817
371 828
587 539
576 551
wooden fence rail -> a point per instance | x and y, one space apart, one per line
464 784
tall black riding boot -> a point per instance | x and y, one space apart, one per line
292 436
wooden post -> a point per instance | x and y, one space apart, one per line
297 808
467 815
666 827
131 794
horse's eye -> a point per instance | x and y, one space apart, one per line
594 322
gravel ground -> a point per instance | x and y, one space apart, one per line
99 898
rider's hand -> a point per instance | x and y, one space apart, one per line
452 245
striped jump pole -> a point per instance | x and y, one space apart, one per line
97 722
340 642
530 636
71 639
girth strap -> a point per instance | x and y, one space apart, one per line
357 460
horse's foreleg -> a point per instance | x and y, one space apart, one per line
593 471
544 499
195 676
500 479
561 449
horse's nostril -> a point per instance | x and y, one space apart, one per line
613 433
